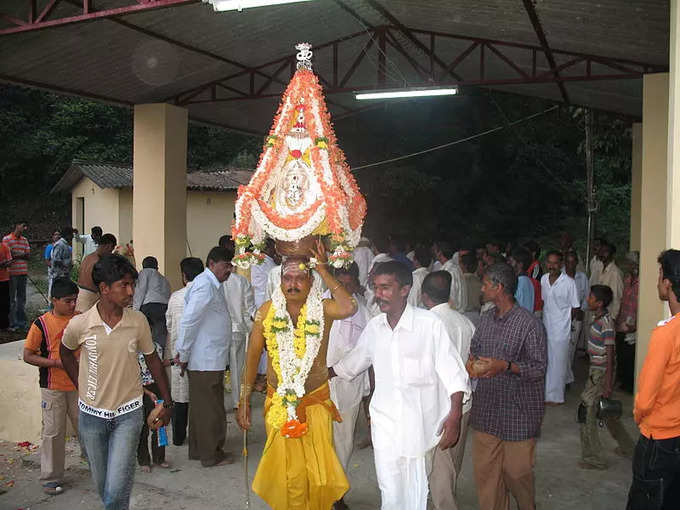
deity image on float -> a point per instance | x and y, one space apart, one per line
302 187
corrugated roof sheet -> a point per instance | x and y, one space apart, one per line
112 175
121 59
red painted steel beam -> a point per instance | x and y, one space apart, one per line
41 22
536 23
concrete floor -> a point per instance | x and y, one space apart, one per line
561 485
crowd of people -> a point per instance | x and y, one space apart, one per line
409 334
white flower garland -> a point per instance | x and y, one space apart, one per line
294 370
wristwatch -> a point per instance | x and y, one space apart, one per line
509 366
168 405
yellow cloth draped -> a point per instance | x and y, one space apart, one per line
302 473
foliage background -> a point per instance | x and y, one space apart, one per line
527 181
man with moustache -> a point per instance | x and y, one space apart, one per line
560 303
299 468
420 386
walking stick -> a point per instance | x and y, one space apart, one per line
245 431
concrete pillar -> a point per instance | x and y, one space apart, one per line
673 189
159 225
636 188
652 205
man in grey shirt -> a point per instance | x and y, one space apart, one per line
151 298
62 256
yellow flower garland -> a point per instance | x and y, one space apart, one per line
278 415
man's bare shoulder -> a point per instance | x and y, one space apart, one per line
263 311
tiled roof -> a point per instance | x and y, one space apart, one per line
112 175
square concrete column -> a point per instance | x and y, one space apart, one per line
159 225
652 205
636 188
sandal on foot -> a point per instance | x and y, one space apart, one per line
52 488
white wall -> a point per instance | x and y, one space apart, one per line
101 207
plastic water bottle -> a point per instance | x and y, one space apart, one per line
162 434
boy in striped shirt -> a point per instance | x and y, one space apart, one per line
59 395
601 345
18 271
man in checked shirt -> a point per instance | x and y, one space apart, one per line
508 357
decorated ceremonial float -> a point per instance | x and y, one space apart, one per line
301 191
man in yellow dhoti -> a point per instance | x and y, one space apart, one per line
299 469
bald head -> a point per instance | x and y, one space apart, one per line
436 288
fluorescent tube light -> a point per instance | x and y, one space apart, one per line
238 5
391 94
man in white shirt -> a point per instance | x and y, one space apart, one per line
190 267
151 298
90 241
203 348
241 304
560 297
611 276
444 254
363 256
421 261
347 395
447 464
259 279
582 286
420 385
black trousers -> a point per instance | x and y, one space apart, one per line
656 475
625 362
180 417
157 452
4 305
155 315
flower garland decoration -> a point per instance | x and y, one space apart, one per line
300 161
292 351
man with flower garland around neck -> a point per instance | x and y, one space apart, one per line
299 469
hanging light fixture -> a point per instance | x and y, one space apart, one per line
406 92
239 5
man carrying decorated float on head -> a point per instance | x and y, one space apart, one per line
303 196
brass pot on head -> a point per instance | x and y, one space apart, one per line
301 247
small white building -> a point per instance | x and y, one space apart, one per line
101 194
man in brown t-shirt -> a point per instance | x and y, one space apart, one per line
88 294
108 379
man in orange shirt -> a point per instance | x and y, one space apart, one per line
59 395
656 464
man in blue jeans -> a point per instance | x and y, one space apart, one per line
109 387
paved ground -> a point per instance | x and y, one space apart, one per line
561 485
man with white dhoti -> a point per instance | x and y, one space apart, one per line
347 395
560 297
241 305
447 464
420 386
190 267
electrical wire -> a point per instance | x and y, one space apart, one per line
456 142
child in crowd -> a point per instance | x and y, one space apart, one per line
59 395
151 393
601 345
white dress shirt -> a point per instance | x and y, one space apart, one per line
582 287
152 287
378 259
89 246
558 300
179 386
259 273
415 296
612 277
460 330
343 337
417 369
458 287
205 329
240 299
363 256
273 281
